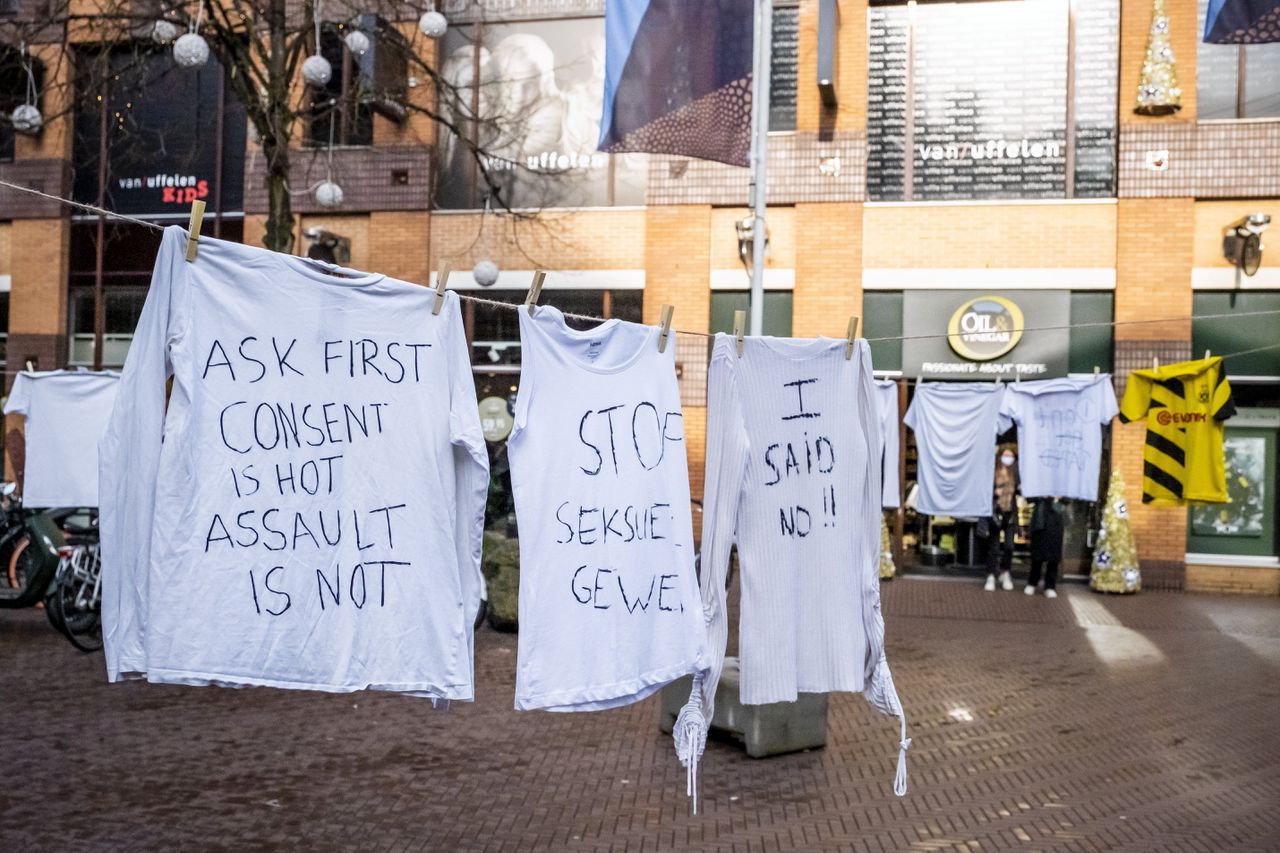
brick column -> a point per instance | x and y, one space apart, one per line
1154 250
399 244
851 70
677 250
37 309
828 285
38 299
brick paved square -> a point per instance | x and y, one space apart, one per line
1088 723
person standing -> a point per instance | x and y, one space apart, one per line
1003 523
1046 545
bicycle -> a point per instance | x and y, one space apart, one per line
74 603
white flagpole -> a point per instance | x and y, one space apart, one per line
763 43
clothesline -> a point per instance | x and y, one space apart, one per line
515 306
582 317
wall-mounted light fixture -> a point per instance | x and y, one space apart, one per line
1242 241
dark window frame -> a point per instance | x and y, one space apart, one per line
783 113
1084 138
335 103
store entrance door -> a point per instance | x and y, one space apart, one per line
1246 526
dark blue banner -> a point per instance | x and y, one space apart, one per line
678 78
1242 22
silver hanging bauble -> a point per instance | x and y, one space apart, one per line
357 42
433 24
328 194
191 50
485 273
163 32
316 71
26 119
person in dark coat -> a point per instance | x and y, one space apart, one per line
999 529
1047 528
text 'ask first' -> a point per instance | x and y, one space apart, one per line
252 359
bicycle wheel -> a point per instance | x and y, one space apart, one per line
81 623
20 563
51 610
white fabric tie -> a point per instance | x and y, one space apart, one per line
690 736
900 778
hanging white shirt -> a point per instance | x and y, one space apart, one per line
956 424
308 511
792 477
1059 433
609 607
66 412
887 408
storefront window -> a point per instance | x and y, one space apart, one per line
13 92
1216 327
123 307
128 257
992 100
1087 348
340 112
539 105
777 310
1236 81
162 151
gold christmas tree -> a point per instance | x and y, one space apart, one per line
886 551
1158 92
1115 561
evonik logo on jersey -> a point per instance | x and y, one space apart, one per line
1165 417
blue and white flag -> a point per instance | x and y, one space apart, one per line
1241 22
677 78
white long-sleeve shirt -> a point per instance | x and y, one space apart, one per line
792 476
308 510
956 424
66 412
1060 433
609 605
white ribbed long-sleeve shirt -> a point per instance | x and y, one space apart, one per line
792 435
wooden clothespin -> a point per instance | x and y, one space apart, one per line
853 334
667 311
739 328
535 289
1208 354
31 368
442 279
1155 362
193 230
1095 370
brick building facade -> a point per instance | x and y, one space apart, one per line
1149 245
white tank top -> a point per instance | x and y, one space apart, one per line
609 602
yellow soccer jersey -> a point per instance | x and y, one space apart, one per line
1185 405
